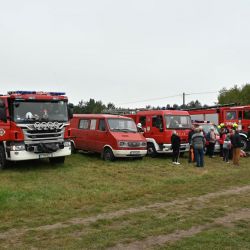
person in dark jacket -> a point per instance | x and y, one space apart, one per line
198 142
236 145
191 149
176 143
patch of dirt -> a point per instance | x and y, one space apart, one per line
149 242
116 214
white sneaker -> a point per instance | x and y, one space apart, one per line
174 162
177 163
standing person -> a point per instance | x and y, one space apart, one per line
198 142
226 148
211 141
176 142
236 144
191 149
139 128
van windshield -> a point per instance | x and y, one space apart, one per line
122 125
178 121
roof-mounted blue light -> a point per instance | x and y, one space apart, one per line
18 92
57 93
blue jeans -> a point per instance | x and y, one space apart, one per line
199 157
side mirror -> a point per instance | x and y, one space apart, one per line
70 110
3 116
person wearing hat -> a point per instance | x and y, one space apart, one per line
139 128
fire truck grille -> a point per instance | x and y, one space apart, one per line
134 144
33 136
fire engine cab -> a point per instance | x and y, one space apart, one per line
158 126
34 125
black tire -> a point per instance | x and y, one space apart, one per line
57 160
244 143
108 155
151 150
73 149
3 162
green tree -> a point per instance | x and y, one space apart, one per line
240 95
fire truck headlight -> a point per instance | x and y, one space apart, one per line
67 144
143 144
17 147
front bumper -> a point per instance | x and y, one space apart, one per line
129 153
26 155
167 148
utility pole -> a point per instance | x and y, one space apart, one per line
183 98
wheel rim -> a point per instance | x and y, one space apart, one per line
244 144
150 151
107 155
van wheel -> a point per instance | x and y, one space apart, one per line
3 162
151 150
108 155
57 160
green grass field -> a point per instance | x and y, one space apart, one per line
91 204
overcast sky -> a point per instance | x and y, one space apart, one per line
125 51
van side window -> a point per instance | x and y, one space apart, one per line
102 125
92 124
157 121
230 115
84 124
247 115
142 120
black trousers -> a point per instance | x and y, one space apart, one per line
176 153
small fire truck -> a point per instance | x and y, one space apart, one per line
228 114
34 125
158 126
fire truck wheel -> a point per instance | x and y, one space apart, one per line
73 149
56 160
151 150
108 155
3 162
244 143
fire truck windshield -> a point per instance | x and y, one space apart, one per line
122 125
178 121
30 111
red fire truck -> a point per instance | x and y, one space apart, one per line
34 125
228 115
158 126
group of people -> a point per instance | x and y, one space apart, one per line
200 142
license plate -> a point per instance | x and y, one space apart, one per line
135 152
45 155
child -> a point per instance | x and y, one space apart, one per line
226 148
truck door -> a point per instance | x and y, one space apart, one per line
246 120
4 122
230 117
156 130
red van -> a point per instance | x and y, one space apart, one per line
111 135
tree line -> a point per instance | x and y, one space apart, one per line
236 94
